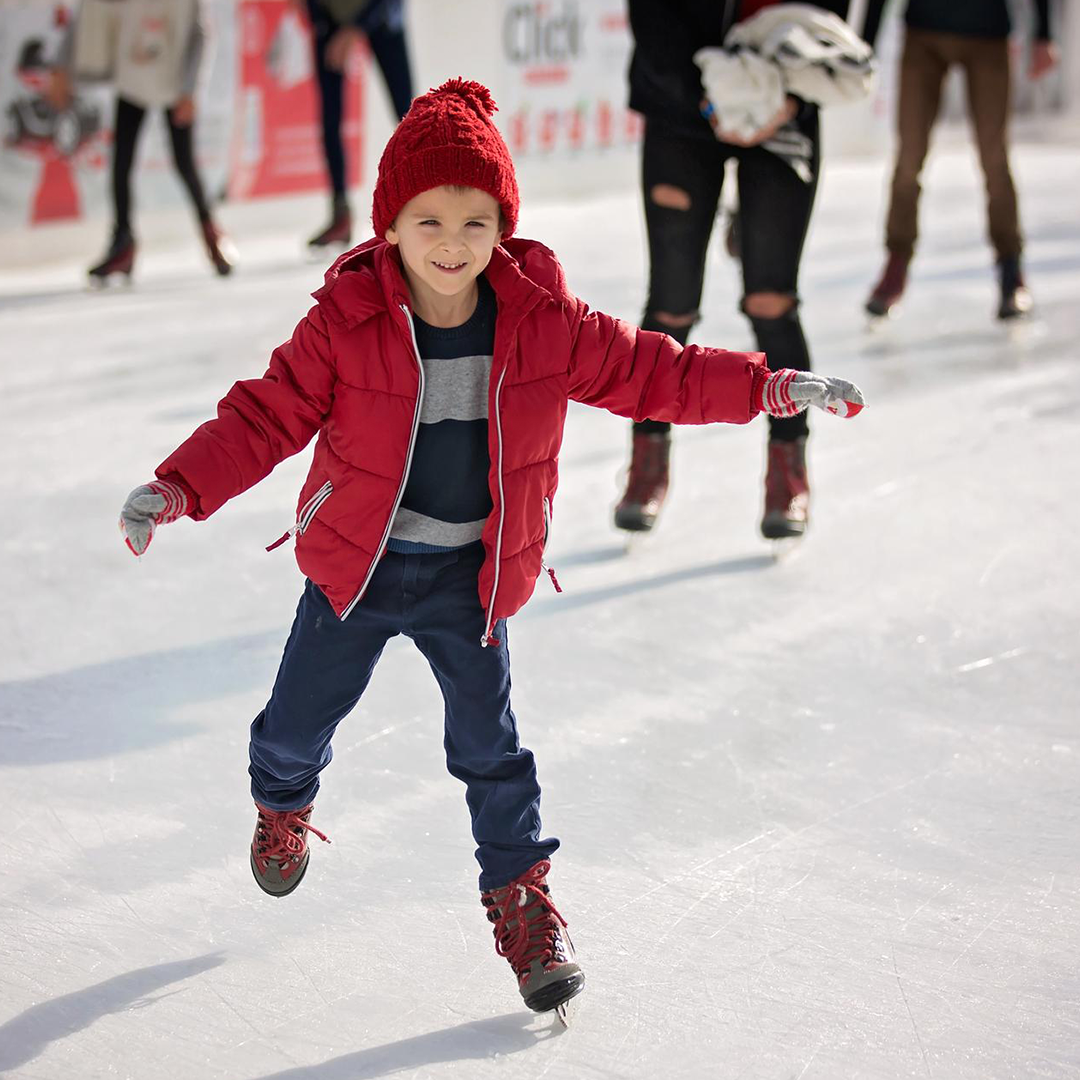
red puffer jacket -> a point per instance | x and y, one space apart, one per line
350 374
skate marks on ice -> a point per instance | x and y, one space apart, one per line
476 1040
26 1036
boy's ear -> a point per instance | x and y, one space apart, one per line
391 236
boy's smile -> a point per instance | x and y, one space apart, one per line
446 236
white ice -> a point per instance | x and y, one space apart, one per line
819 816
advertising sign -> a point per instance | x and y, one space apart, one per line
563 88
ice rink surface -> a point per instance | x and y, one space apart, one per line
819 815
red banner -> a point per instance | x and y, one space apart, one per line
277 141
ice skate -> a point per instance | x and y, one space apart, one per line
119 261
1016 302
279 849
884 301
531 934
647 482
337 235
787 491
219 247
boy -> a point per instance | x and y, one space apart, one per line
436 368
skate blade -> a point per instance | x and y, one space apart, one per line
326 253
566 1012
119 280
784 548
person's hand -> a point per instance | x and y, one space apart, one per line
183 112
1044 58
339 47
787 392
785 115
58 91
148 506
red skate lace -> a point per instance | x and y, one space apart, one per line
522 938
280 839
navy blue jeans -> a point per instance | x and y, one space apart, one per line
327 665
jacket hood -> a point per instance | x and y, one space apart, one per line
369 279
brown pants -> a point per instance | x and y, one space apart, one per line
928 55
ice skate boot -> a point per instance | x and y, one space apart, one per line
279 850
647 483
1016 302
338 233
219 247
119 259
787 491
885 298
531 934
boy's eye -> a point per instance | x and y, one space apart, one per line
478 224
429 221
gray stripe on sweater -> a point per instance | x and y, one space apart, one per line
456 389
421 529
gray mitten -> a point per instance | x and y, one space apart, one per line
148 506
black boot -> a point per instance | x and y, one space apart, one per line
339 231
1016 302
119 259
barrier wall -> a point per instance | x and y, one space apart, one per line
556 67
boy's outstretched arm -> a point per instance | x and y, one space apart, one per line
649 376
259 423
646 375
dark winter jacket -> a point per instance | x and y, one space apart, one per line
665 83
350 374
971 18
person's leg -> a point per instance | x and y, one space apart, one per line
444 617
325 668
120 256
681 179
986 67
390 49
775 205
182 138
129 119
923 67
330 97
218 246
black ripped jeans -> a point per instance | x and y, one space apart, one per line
774 213
129 119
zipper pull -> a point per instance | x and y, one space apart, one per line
284 536
551 574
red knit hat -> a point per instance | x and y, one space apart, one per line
446 137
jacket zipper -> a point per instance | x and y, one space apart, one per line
486 639
307 513
404 476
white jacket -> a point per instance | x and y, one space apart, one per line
151 50
784 49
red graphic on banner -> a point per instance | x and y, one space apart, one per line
278 145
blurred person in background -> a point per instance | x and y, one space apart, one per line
684 154
973 34
337 26
152 52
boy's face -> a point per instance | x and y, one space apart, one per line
446 237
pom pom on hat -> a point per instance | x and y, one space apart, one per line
447 137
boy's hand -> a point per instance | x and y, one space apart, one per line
153 504
787 392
